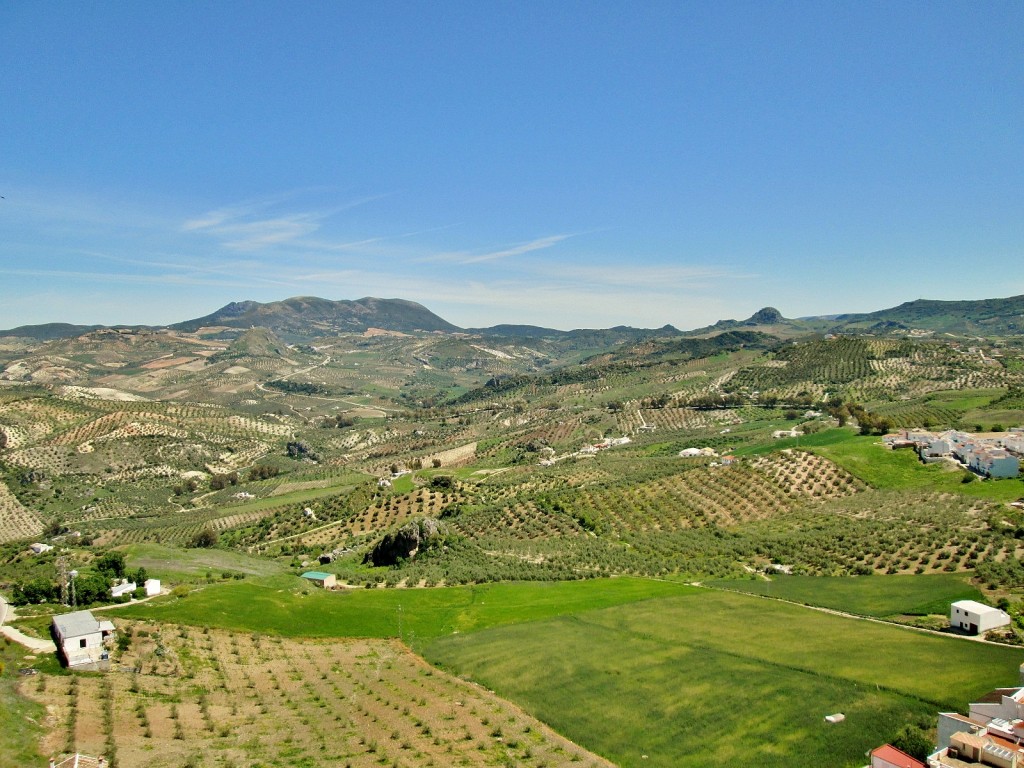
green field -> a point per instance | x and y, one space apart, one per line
287 606
21 718
711 678
177 564
878 596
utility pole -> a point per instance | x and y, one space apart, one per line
62 573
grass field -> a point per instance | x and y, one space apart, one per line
344 483
707 678
288 606
878 596
21 718
965 400
178 564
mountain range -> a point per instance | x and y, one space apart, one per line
305 317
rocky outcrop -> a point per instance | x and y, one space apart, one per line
406 542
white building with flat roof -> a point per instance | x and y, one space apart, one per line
122 589
976 618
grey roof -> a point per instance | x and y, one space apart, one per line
79 623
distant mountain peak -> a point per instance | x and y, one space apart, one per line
236 308
303 317
766 316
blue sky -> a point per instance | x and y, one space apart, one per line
560 164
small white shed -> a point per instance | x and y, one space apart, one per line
321 579
152 587
976 618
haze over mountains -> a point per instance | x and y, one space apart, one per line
305 317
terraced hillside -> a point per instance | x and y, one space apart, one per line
229 462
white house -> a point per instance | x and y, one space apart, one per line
937 447
976 618
997 463
122 589
152 587
81 638
39 547
1002 704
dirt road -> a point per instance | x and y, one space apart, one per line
32 643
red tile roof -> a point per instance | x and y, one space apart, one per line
895 756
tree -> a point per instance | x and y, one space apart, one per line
205 539
263 472
111 565
914 740
37 591
442 483
55 528
91 588
298 449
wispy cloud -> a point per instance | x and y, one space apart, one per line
129 279
248 227
468 257
534 245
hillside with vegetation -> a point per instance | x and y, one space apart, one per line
573 482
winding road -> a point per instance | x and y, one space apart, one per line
32 643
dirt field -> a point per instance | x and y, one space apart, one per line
166 362
186 697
